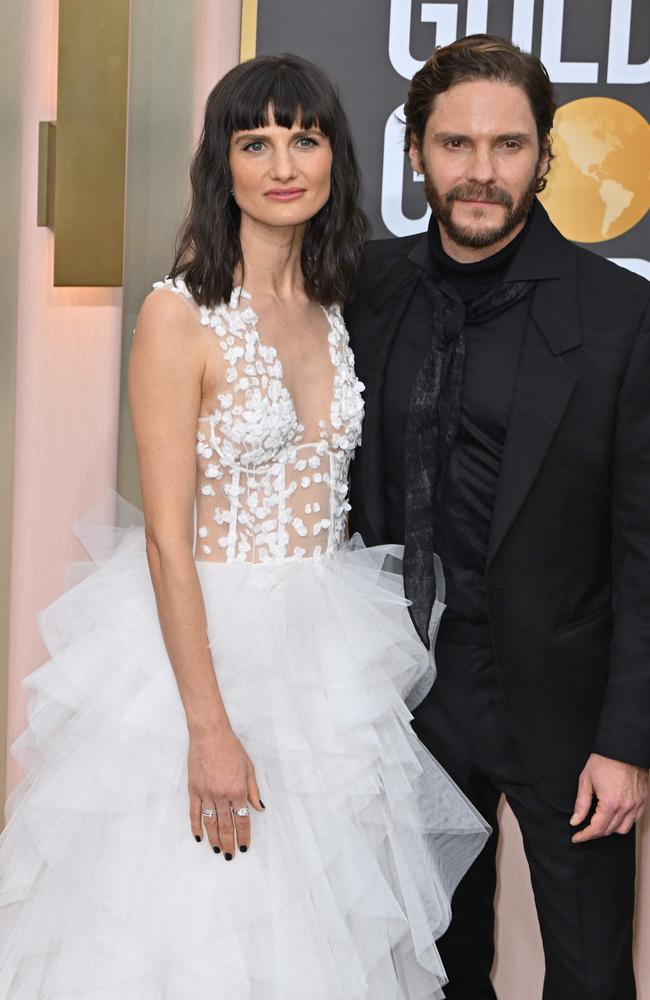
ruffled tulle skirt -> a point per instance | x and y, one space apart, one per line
104 893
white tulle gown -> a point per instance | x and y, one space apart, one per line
104 893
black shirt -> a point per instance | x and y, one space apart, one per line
464 516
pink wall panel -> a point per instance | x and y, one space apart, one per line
67 384
217 48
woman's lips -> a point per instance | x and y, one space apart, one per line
284 194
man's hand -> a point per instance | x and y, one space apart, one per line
621 790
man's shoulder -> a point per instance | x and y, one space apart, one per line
381 258
608 277
612 298
381 255
390 248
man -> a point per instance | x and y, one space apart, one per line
508 429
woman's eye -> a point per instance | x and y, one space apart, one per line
305 142
254 147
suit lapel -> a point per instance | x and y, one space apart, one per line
389 309
543 387
387 323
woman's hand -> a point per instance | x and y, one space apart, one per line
222 779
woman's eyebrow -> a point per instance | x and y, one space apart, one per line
256 136
247 136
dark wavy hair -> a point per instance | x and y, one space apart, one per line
208 249
481 57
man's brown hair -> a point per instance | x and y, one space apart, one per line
480 57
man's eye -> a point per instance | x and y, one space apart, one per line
454 143
512 144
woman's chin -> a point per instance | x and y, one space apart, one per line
283 214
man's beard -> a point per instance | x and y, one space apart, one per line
478 238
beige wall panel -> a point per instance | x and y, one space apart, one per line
158 145
175 61
518 972
642 923
11 53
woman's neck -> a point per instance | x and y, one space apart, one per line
272 259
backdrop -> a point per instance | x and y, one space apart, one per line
597 55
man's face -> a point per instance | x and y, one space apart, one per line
481 161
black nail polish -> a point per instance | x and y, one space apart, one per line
228 857
262 804
243 848
217 850
197 838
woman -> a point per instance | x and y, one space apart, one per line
344 873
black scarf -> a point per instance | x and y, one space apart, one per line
431 430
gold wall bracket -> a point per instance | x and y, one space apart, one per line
46 173
248 36
82 157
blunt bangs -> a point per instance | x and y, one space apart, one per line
274 91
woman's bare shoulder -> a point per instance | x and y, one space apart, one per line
169 323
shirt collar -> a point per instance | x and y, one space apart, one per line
543 252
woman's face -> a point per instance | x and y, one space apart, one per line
280 176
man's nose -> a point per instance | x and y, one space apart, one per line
480 167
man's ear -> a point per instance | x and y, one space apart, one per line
544 164
415 157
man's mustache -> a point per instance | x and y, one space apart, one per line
467 192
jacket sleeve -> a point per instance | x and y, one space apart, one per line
358 322
624 726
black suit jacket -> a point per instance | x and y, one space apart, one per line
568 569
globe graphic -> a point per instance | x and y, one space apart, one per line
599 184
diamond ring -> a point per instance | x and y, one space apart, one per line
243 812
209 813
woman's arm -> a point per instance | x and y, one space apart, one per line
166 373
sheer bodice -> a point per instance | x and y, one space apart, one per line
272 482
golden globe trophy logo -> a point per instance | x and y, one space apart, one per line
599 185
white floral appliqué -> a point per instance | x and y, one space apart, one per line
264 493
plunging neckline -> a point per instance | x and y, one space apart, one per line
333 338
230 321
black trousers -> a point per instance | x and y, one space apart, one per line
584 894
